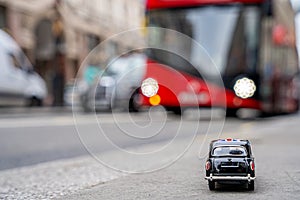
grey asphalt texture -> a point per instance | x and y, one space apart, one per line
65 170
276 148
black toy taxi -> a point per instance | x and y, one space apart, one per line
230 161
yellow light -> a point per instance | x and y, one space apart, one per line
154 100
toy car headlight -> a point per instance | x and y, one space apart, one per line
149 87
244 88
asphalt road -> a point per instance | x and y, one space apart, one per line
50 155
276 147
34 137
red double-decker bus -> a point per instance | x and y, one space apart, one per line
221 53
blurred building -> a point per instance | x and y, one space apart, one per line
57 35
296 7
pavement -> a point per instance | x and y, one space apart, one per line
33 138
275 144
276 148
21 111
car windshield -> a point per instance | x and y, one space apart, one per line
229 151
129 65
213 27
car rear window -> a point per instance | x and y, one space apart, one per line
229 151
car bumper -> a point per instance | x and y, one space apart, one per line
229 178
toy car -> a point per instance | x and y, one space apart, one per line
230 161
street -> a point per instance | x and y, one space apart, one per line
33 138
121 99
57 156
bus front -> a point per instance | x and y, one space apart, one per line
224 42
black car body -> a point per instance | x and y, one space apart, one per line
230 161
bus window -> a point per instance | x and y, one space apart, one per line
243 53
220 30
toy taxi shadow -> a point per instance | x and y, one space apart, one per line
231 188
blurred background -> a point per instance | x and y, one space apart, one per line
57 35
55 39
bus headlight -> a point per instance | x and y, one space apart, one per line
149 87
244 88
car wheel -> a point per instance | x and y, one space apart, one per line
35 102
231 112
175 110
211 185
134 102
251 186
85 103
87 107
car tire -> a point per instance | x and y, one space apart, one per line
35 102
85 103
86 106
231 112
175 110
211 185
251 186
134 102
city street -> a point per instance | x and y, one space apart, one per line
121 99
38 136
48 156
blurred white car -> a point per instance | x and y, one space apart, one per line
19 83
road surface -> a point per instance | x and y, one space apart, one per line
42 157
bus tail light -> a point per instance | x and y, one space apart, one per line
207 165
